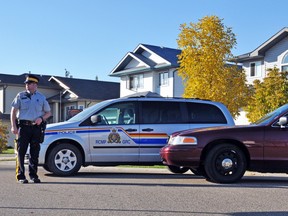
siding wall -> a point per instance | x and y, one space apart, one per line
179 85
273 57
174 88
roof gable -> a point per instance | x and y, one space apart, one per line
88 89
146 57
19 80
260 51
79 89
270 42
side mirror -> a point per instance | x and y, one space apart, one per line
283 121
95 119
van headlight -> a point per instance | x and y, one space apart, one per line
183 140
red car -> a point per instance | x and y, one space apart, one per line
223 154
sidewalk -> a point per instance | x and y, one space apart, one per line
7 157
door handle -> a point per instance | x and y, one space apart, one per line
131 130
147 129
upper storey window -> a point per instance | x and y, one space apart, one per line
285 63
136 81
163 79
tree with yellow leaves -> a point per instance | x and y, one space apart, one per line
268 95
205 49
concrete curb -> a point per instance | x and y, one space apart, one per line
7 157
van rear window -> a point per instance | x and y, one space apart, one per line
205 113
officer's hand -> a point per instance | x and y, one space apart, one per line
38 121
14 130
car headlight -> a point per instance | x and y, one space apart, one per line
183 140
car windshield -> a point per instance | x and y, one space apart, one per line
272 115
88 111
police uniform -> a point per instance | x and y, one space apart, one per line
30 107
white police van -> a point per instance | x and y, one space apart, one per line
128 130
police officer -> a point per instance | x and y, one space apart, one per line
29 111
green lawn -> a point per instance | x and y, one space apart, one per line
8 151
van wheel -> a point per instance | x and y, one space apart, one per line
225 163
46 168
178 170
64 160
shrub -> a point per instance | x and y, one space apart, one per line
3 137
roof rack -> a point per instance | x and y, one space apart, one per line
147 94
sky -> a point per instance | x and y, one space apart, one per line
88 38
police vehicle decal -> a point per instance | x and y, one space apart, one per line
114 135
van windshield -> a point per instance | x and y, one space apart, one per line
88 111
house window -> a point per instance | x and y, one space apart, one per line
136 81
163 79
285 63
255 69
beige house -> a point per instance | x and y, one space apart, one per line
66 96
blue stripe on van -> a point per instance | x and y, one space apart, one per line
139 141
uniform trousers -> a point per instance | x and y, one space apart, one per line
28 134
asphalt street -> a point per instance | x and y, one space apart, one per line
141 191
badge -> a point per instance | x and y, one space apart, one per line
114 137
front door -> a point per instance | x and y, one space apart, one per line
276 148
115 138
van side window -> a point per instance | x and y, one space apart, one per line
205 113
119 113
161 112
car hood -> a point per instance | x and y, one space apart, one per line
61 125
220 129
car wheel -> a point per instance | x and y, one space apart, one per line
197 171
178 170
64 160
225 163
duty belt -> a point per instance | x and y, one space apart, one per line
26 122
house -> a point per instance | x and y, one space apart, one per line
154 68
150 68
273 52
77 94
66 96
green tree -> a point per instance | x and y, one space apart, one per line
3 137
268 95
206 48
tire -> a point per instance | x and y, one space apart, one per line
178 170
225 163
64 160
197 171
46 168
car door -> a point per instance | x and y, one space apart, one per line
158 119
115 137
276 147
